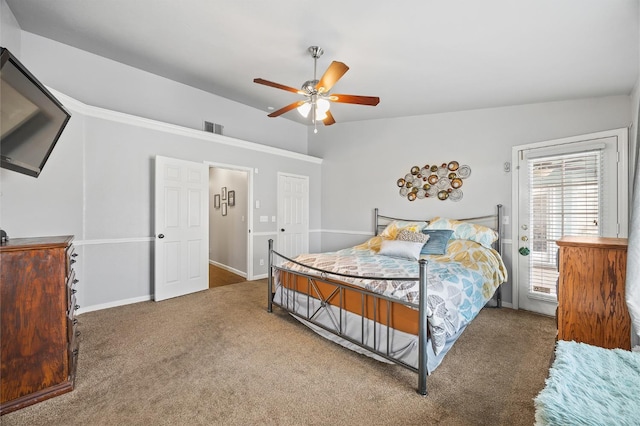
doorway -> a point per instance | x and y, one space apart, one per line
230 216
573 186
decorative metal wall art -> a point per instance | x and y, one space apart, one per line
432 181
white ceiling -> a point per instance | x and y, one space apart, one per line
418 56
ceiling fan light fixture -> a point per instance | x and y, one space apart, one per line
322 106
317 93
304 109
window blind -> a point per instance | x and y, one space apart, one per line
565 199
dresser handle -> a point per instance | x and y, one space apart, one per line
76 307
72 261
74 291
75 321
74 255
77 334
76 281
75 352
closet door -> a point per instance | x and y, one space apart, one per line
293 214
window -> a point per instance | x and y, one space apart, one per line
565 199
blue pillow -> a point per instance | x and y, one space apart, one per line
438 240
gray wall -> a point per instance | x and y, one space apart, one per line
98 185
10 36
363 160
102 82
98 182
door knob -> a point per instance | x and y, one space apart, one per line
282 230
161 236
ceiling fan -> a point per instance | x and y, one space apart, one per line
317 92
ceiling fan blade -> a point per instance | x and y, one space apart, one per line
331 76
286 109
354 99
329 120
277 85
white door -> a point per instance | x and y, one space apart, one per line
293 215
572 187
181 228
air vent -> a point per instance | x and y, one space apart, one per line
213 127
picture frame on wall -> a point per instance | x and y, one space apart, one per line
216 201
224 193
224 209
232 198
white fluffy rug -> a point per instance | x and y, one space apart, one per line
588 385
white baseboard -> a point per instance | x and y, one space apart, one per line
114 304
228 268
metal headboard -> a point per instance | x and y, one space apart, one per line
493 221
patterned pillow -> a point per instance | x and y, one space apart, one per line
404 249
438 241
416 237
465 230
392 229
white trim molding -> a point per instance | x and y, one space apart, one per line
114 304
121 117
346 231
113 241
228 268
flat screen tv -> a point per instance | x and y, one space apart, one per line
31 118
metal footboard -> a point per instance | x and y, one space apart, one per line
312 281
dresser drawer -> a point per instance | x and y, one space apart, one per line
73 353
72 307
71 283
71 259
72 328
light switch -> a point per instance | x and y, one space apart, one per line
273 218
257 204
264 218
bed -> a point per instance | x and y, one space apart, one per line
399 297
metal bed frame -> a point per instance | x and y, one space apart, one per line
338 330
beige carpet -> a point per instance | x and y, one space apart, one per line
218 358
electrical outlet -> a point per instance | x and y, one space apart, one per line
505 220
261 262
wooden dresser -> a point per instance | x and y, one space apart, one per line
38 325
591 298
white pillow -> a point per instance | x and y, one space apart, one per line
397 248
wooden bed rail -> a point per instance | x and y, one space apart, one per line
324 278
